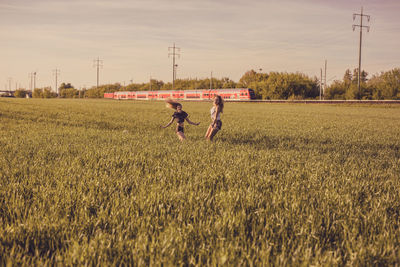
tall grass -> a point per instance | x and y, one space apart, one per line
98 182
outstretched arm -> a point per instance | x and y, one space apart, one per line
193 123
169 123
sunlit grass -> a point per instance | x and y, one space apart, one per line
98 182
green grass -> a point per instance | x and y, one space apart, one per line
98 182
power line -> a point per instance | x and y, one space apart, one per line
359 53
99 64
173 54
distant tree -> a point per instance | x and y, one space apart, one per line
66 90
48 93
247 78
363 76
45 92
348 77
95 92
228 83
288 86
156 84
348 88
386 85
69 93
20 93
132 87
336 90
65 86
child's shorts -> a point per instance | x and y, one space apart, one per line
217 125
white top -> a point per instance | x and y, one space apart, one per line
212 111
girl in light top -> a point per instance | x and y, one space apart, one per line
216 122
180 116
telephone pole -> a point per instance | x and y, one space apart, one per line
150 82
173 54
211 81
361 26
34 80
320 86
56 72
9 84
326 62
30 81
99 64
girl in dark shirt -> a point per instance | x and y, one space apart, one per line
180 116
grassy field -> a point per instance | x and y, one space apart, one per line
98 182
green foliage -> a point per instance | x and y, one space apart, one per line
65 86
289 86
192 84
247 79
133 87
99 92
99 183
273 85
44 93
386 85
337 90
383 86
363 77
20 93
68 91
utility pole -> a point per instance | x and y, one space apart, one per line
99 64
56 72
173 54
30 81
326 62
176 70
9 84
359 53
34 80
320 86
211 81
150 82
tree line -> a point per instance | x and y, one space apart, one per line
272 85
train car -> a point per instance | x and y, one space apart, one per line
142 95
108 95
199 94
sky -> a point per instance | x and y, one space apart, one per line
225 37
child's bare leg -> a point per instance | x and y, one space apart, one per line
209 130
181 136
213 133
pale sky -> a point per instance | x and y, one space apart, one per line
227 37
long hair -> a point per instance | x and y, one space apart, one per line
172 104
219 102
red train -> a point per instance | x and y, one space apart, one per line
200 94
